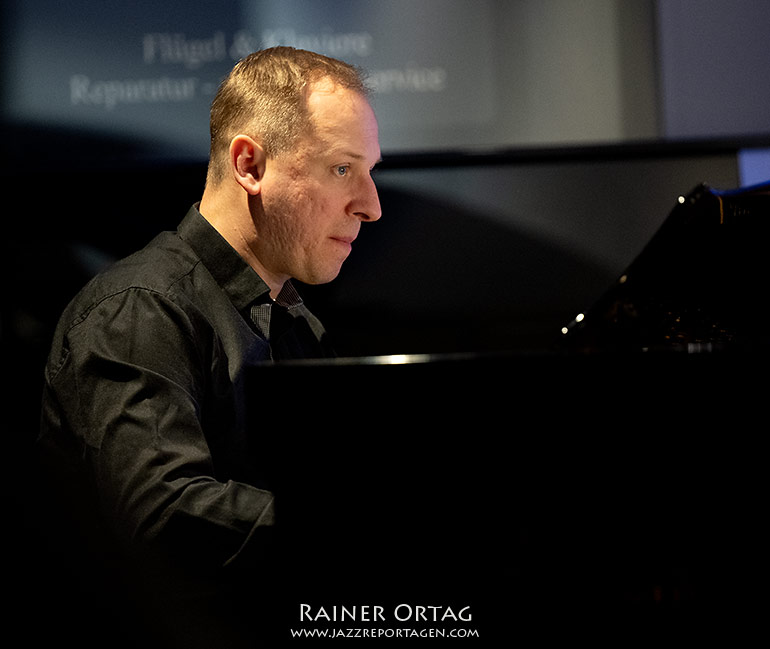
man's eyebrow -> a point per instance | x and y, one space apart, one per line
360 158
355 156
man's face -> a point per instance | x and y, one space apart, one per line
315 198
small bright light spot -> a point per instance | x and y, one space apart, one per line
623 279
397 359
579 317
564 330
681 199
402 359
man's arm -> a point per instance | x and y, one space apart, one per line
131 387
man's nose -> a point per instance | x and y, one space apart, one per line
367 205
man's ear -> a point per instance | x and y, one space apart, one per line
247 162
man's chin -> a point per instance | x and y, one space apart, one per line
319 278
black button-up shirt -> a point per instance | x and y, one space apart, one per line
144 393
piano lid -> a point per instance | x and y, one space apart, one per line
700 284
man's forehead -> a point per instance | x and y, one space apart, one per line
325 95
341 117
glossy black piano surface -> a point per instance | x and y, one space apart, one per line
558 494
701 283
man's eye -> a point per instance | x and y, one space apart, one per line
342 170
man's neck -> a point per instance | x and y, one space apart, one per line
235 225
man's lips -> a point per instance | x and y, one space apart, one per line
345 239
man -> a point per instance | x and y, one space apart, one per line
144 396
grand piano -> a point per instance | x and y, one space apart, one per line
556 492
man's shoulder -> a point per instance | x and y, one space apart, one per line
159 266
162 268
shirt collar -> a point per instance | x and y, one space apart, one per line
227 267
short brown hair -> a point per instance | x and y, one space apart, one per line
265 97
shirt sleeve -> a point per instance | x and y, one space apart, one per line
131 389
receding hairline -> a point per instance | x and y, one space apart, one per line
287 77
